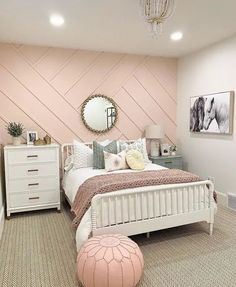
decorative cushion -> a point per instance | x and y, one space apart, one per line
115 161
135 160
83 155
98 156
139 145
110 260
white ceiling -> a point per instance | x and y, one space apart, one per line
115 25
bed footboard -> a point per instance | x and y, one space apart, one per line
146 209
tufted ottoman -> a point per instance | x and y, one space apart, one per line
110 260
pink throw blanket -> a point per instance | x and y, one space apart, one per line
113 182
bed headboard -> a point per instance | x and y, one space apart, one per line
68 149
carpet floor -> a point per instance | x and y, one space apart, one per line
38 250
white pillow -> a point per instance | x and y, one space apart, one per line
139 144
83 155
115 161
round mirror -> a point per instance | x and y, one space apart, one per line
99 113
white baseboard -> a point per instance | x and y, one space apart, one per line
2 219
222 199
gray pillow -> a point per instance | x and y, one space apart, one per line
98 155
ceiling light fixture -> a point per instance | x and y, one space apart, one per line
156 12
57 20
176 36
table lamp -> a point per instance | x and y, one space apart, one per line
154 133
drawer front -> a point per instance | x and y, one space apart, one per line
31 155
33 184
175 163
34 199
32 170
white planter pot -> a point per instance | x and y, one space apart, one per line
173 153
16 140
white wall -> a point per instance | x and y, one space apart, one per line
210 70
1 198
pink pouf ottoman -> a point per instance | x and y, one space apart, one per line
110 260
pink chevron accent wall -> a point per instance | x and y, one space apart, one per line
44 89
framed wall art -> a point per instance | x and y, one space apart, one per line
212 113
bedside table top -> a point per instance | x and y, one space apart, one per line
165 157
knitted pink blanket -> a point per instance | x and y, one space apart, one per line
113 182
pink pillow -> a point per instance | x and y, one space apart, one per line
115 161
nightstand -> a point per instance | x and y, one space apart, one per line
32 177
172 161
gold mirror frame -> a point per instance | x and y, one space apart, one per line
83 112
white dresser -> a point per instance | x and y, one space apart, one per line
32 177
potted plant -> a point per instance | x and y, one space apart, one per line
15 130
173 150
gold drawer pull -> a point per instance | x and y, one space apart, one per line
32 156
31 198
33 184
168 161
33 170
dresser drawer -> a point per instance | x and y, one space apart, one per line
32 170
33 184
31 155
34 198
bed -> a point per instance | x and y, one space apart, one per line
141 209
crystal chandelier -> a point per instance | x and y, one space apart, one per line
156 12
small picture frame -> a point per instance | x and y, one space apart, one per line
165 149
32 136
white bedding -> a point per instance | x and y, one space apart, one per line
71 183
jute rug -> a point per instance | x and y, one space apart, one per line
38 250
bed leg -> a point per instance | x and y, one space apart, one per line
211 229
148 235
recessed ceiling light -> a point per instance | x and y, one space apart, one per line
176 36
57 20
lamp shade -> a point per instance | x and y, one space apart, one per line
154 132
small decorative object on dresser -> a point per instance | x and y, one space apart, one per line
15 130
32 177
39 142
154 133
173 150
47 139
172 162
31 137
165 149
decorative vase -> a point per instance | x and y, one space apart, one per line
47 139
16 140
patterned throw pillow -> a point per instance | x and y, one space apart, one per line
115 161
139 145
98 156
83 155
135 159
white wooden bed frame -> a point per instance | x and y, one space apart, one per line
139 210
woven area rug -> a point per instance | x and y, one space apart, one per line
38 250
